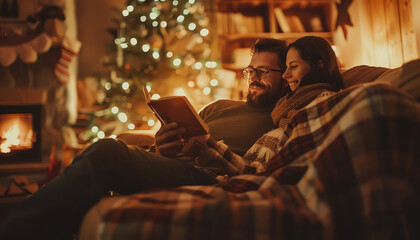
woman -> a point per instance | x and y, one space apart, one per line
312 71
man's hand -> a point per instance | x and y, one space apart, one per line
167 141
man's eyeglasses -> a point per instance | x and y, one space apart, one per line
262 72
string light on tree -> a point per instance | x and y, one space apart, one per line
159 43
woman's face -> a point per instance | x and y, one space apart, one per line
297 68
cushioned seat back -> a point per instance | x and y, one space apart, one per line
362 74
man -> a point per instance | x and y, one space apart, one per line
56 210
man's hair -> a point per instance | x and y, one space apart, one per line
313 49
276 46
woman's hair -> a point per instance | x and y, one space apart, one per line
276 46
314 49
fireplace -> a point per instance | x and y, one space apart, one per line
20 134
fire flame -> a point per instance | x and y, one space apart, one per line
12 138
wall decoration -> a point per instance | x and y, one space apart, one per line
25 32
343 16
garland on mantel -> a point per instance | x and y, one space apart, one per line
34 35
27 52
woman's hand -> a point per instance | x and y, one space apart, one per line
168 139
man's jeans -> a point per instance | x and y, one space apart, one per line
56 210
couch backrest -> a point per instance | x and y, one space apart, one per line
362 74
405 78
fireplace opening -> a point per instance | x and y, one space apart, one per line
20 134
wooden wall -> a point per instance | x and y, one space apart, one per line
383 34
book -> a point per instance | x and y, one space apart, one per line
282 20
177 109
295 23
239 22
316 24
259 24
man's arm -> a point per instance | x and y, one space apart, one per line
167 140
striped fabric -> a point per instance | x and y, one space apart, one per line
348 169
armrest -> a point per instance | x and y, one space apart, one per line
140 138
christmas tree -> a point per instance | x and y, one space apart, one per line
164 45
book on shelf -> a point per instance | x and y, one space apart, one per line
177 109
282 20
316 24
240 23
237 23
259 24
295 23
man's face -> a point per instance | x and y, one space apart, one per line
265 91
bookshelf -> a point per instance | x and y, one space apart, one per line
241 22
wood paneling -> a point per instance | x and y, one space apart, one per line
408 37
393 33
379 33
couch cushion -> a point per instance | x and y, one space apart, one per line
405 78
362 74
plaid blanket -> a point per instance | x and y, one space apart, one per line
349 169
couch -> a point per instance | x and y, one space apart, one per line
348 169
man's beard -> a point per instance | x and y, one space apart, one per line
265 99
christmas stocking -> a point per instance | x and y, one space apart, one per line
69 50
